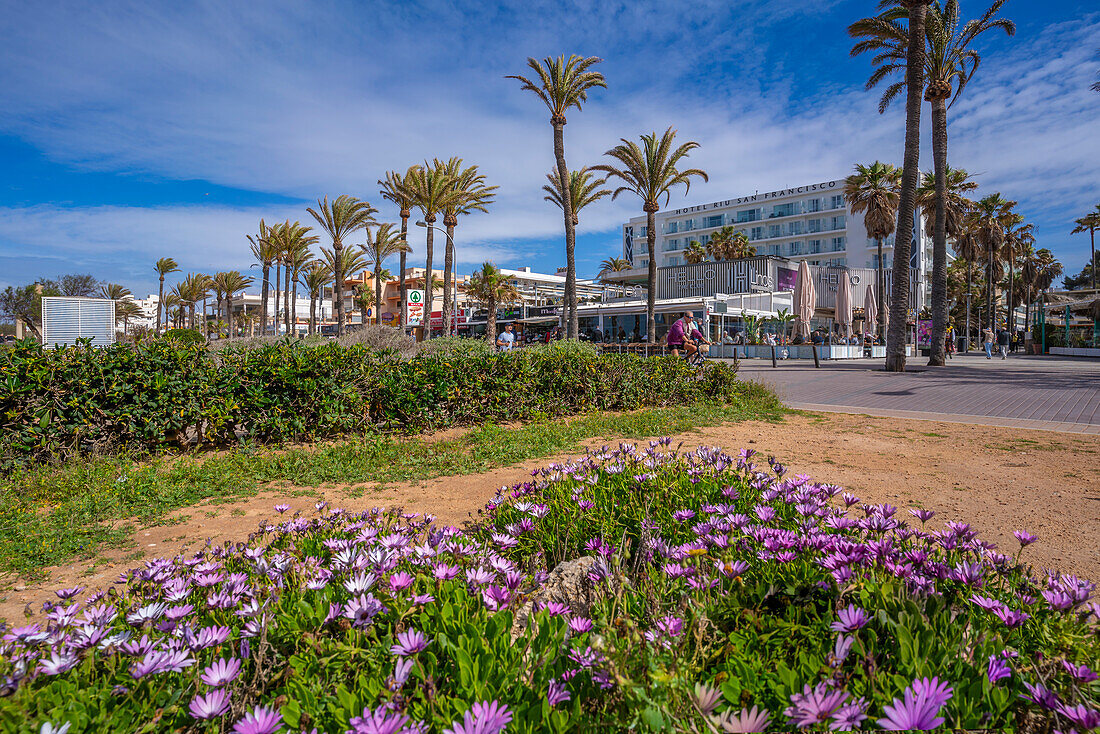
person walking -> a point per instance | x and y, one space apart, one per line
987 342
507 339
949 342
1004 338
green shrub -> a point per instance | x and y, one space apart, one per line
165 394
185 336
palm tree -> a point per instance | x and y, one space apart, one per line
1090 223
968 247
314 278
113 291
468 193
264 253
930 194
729 244
739 247
1018 237
352 259
615 265
489 288
650 171
190 291
429 188
298 256
124 311
871 29
341 218
364 299
584 189
228 283
164 266
395 189
695 253
874 191
171 301
384 243
562 84
990 216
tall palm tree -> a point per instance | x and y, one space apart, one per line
1090 223
113 291
264 253
930 195
429 188
225 285
163 266
341 218
395 189
990 216
297 257
562 84
171 301
469 193
968 247
869 29
584 189
364 299
696 253
651 171
382 244
738 246
352 259
875 192
1018 236
615 265
488 287
192 289
315 277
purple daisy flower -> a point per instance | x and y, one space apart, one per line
814 705
1080 672
483 718
1025 538
401 581
213 704
281 508
221 672
260 720
557 693
919 708
409 642
849 619
579 625
997 669
747 720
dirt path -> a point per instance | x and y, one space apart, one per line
997 479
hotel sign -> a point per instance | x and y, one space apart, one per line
825 186
704 280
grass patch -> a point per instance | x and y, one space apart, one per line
933 434
51 515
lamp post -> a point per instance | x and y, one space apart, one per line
454 280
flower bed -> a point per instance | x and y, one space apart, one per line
164 395
632 588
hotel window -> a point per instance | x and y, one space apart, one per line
748 215
775 230
757 233
670 227
783 210
838 222
704 239
796 227
715 221
814 246
796 248
837 201
814 225
674 261
687 225
838 262
774 250
839 244
813 205
644 232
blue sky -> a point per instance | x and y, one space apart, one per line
133 131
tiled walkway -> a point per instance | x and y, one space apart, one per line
1047 393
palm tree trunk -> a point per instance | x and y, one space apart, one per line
914 81
570 231
378 293
312 314
286 297
263 298
989 315
448 263
969 286
229 315
651 277
160 302
294 316
401 276
275 315
491 324
1010 317
429 245
881 291
1092 263
338 285
937 355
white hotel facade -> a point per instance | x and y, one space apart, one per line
811 222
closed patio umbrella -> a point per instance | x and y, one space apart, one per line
870 311
805 299
844 304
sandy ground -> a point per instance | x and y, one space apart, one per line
997 479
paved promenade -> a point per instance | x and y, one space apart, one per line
1045 393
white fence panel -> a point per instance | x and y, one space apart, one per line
65 319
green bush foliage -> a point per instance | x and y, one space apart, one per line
166 394
185 336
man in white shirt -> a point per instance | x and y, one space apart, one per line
507 339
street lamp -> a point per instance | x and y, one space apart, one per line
454 279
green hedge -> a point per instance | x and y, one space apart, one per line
165 394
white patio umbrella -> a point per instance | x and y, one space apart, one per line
805 299
844 304
870 311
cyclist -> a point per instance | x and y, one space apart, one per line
679 336
703 344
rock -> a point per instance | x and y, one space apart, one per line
567 584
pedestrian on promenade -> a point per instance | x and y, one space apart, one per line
1004 338
507 339
987 342
949 342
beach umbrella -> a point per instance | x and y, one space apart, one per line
805 299
844 304
870 311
